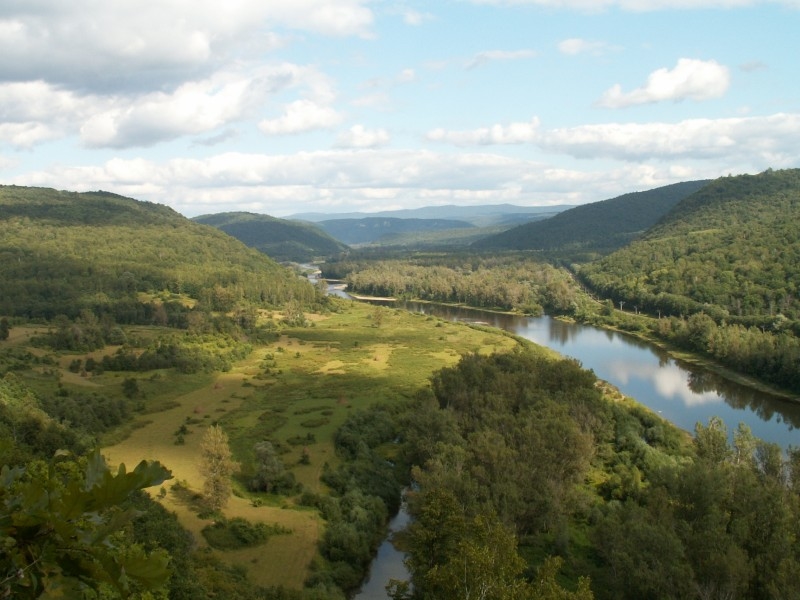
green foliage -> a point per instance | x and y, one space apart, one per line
59 530
270 475
279 239
64 252
186 353
366 492
88 413
724 525
26 431
510 282
231 534
596 227
217 467
533 442
723 266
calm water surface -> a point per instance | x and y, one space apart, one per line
682 393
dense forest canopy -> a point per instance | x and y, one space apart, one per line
734 244
722 272
521 444
505 282
279 239
63 252
598 227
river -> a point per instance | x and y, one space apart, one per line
682 393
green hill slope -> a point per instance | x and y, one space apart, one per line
373 229
728 258
596 227
277 238
61 252
735 245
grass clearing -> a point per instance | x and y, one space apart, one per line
295 392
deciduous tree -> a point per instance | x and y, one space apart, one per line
217 466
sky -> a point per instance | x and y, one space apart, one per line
284 107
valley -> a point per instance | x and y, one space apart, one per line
328 408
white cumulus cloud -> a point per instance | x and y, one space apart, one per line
513 133
763 141
150 44
193 108
690 78
766 140
360 137
301 115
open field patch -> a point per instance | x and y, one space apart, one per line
295 393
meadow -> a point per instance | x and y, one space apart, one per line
295 392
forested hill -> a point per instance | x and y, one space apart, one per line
734 245
730 256
373 229
597 227
61 252
277 238
59 207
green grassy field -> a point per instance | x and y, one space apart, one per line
301 387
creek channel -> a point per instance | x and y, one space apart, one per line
682 393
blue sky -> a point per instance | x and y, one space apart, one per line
292 106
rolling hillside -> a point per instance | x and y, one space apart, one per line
374 229
483 215
732 249
597 227
61 252
279 239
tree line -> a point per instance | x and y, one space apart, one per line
508 282
521 452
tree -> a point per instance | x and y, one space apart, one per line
130 387
711 442
294 315
484 565
4 329
217 466
546 586
270 468
59 531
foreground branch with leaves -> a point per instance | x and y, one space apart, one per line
60 530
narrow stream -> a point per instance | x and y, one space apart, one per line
682 393
387 564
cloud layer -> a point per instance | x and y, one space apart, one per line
357 104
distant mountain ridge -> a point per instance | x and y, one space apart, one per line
279 239
374 229
481 215
596 227
428 227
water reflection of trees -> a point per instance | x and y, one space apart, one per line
740 397
763 405
561 332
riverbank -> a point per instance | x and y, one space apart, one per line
679 354
702 362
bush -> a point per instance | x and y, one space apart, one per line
239 533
